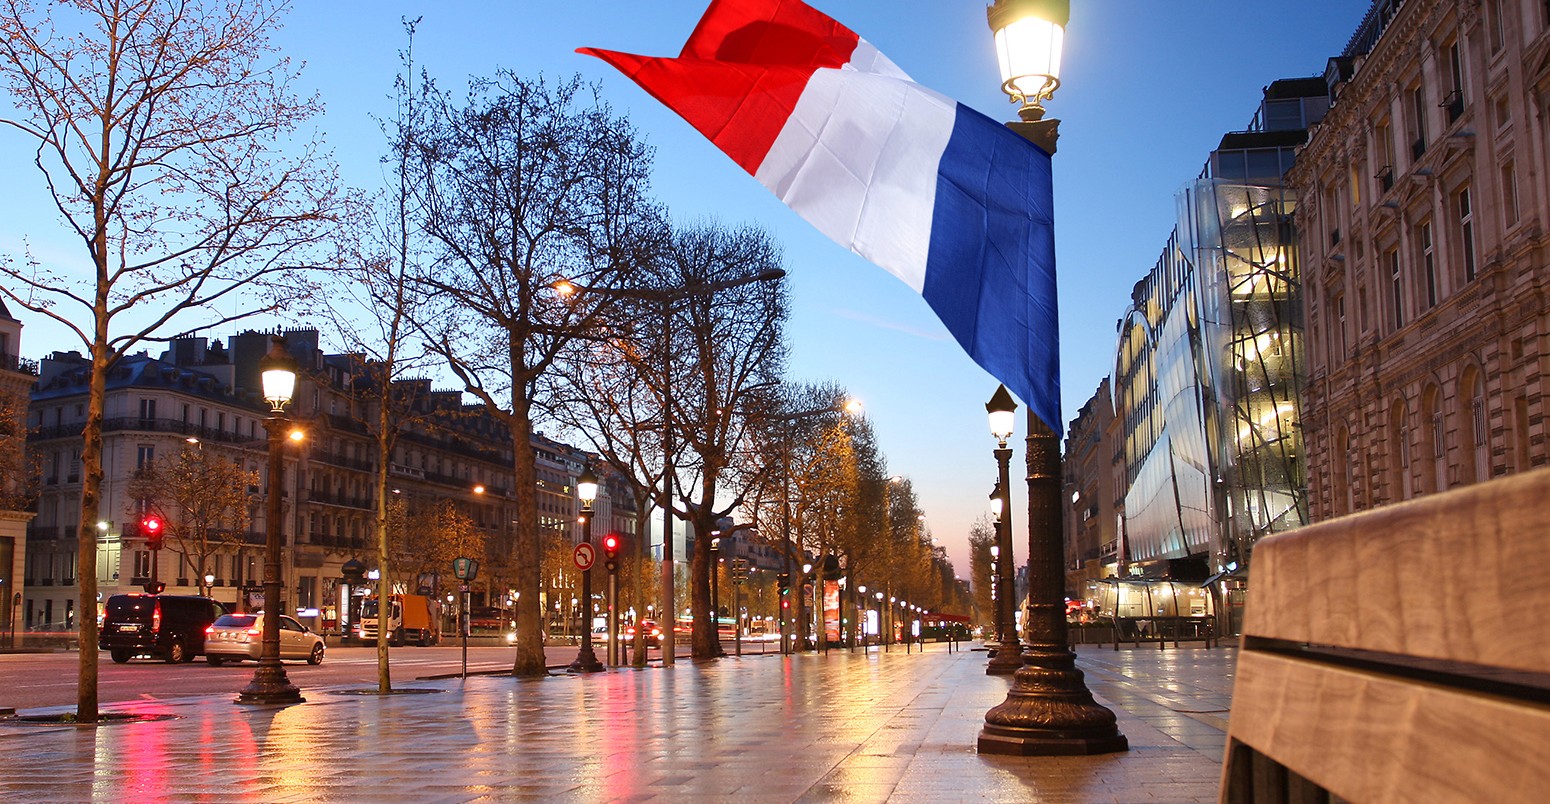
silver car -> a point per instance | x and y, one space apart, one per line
241 636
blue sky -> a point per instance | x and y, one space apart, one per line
1148 89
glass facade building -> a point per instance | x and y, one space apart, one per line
1208 368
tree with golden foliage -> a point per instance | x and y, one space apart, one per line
426 537
19 468
205 500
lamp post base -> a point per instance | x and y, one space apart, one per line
1006 658
586 661
1049 712
270 687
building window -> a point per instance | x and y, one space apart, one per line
1520 447
1475 456
147 409
1417 122
145 455
1509 193
1454 102
1467 233
1396 290
142 564
1503 111
1399 454
1494 25
1429 265
1340 497
1339 339
1385 143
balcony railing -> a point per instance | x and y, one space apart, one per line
340 460
1385 177
331 498
135 423
1454 103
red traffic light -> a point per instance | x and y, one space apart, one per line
151 527
611 546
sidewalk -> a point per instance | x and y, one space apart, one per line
852 727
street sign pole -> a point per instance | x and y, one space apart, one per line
613 615
463 624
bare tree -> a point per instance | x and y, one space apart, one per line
524 185
377 323
205 499
730 344
158 127
611 393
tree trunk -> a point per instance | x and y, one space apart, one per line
86 530
642 549
530 642
384 458
705 644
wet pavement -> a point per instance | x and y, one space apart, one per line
838 727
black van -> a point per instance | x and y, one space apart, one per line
171 627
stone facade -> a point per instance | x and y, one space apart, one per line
200 396
16 376
1422 235
1090 492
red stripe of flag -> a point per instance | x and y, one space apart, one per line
742 71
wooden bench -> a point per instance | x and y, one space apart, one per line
1400 654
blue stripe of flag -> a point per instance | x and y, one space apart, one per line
990 272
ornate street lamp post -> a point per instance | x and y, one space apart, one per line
1049 710
1009 653
277 371
586 660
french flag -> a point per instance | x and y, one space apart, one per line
937 194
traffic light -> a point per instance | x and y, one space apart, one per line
152 527
783 583
155 587
611 552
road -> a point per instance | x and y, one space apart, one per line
35 680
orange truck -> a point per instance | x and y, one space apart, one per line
410 618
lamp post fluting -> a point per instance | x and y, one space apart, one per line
1008 657
277 371
1048 710
586 659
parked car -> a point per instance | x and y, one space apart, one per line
488 618
235 637
169 627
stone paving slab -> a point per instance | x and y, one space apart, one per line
812 728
